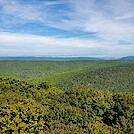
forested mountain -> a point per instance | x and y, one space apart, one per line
77 97
127 58
41 108
111 75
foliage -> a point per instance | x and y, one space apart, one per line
66 97
26 108
104 75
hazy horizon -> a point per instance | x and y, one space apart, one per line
89 28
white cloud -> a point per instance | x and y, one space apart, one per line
21 13
110 20
16 39
20 44
103 18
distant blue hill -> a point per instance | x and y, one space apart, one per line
127 58
55 58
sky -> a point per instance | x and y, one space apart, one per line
96 28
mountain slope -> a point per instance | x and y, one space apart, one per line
127 58
32 108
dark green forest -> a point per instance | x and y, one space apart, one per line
67 97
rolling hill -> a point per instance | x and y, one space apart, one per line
127 58
52 97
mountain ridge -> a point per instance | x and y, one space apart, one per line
127 58
63 58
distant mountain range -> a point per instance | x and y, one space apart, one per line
66 58
55 58
127 58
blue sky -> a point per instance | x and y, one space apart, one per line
67 27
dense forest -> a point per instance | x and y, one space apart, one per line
63 97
